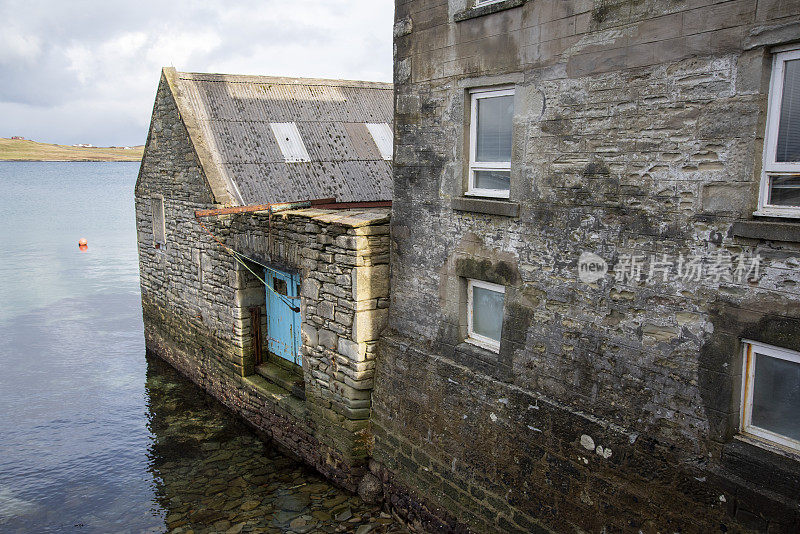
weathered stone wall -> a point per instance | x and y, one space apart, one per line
196 301
175 276
343 262
613 405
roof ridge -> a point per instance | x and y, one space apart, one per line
297 121
281 80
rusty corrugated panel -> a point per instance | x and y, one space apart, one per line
235 114
354 205
274 208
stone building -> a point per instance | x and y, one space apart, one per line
274 308
595 301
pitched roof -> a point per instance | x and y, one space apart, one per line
234 123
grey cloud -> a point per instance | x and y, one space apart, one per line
86 71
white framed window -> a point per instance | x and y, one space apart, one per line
490 139
479 3
485 304
770 407
159 229
780 172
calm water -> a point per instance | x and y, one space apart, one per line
95 437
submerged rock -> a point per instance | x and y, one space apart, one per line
370 489
344 515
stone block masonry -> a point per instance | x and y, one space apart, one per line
343 307
611 406
197 302
341 258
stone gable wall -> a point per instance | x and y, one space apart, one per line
614 405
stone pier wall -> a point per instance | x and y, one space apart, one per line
342 258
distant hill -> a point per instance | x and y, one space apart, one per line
26 150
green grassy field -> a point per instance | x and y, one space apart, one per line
25 150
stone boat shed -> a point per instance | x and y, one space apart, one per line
230 279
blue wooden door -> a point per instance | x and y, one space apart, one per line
283 315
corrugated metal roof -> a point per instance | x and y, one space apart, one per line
237 118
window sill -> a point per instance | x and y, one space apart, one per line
762 464
475 12
485 359
769 446
773 211
503 208
768 231
483 345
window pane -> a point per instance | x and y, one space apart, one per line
495 116
279 286
487 312
776 396
784 190
789 125
492 179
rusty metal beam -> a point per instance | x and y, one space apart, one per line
229 211
276 206
318 201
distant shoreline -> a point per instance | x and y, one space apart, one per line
20 150
2 160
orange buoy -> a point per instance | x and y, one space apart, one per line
82 242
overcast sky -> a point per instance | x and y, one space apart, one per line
86 71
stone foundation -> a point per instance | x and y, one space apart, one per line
458 450
273 413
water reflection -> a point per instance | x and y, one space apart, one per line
73 426
94 437
212 474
